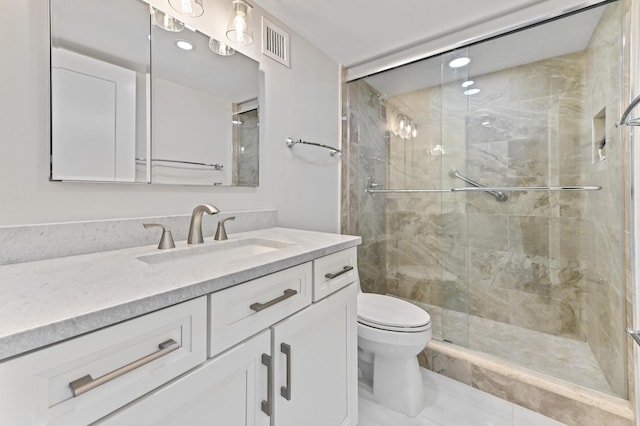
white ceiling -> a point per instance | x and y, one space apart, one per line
555 38
353 32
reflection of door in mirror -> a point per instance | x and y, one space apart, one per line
245 147
99 62
93 120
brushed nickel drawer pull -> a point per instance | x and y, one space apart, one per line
86 383
337 274
285 391
266 405
260 306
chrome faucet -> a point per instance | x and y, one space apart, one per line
195 229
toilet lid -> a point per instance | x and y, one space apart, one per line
389 313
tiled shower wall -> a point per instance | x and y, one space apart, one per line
604 309
548 261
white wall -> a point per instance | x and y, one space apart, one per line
301 101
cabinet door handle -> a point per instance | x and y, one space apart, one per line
344 270
266 405
285 391
260 306
86 383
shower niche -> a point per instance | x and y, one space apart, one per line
599 136
537 280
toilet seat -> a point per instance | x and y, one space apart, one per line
389 313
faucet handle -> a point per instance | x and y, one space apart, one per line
166 240
221 232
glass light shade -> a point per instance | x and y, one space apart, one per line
240 30
219 48
401 122
166 22
191 8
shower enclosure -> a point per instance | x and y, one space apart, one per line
530 269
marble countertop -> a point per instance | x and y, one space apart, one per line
48 301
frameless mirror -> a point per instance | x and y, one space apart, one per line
128 104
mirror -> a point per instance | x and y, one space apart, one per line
129 105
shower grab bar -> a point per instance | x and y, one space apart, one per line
487 188
635 334
499 196
530 188
623 120
291 142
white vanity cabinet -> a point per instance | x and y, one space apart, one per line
279 350
299 369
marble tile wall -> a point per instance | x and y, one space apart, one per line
605 292
365 158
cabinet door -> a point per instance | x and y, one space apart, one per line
315 364
226 391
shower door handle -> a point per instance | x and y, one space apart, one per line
635 334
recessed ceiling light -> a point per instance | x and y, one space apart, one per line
471 92
467 83
184 45
459 62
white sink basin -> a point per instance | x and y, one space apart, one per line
217 251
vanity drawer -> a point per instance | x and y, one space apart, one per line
244 310
137 356
333 272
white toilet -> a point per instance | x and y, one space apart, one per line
391 333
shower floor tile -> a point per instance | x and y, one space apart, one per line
451 403
557 356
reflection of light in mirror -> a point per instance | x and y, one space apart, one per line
184 45
236 122
219 48
471 92
166 22
467 83
459 62
242 149
485 123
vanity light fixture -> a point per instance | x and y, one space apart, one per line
219 48
459 62
240 30
406 128
184 44
192 8
166 22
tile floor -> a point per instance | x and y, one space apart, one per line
451 403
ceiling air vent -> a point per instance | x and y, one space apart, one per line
275 42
